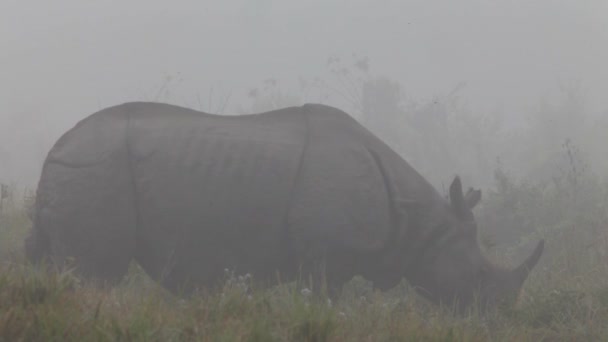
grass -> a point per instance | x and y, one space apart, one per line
565 298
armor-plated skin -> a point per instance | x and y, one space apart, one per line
289 192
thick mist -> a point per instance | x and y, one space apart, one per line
496 74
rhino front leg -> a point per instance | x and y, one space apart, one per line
324 270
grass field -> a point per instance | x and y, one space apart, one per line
564 299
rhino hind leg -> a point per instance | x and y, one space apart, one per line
85 212
85 220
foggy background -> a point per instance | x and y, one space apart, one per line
455 86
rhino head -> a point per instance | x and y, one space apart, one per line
454 271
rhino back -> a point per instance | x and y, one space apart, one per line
213 191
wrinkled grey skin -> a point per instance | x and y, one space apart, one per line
294 192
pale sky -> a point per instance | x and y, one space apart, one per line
62 60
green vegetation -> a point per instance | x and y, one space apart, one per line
565 298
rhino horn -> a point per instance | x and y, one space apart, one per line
521 272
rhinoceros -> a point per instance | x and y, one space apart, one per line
291 192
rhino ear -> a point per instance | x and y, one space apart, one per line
472 198
457 200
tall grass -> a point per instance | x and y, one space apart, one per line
565 298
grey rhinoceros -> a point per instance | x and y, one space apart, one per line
283 193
